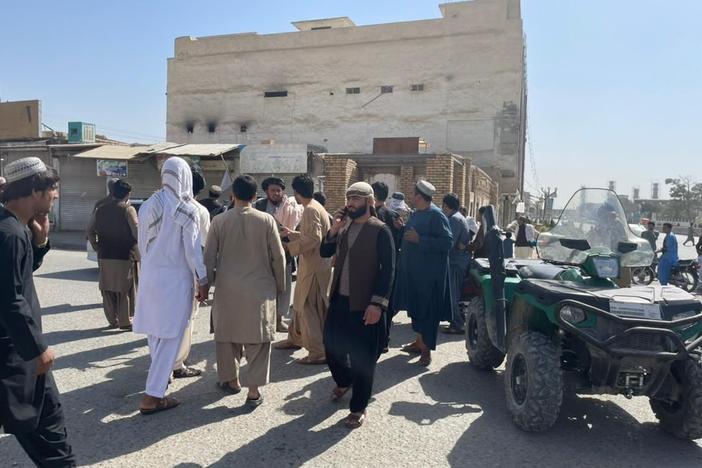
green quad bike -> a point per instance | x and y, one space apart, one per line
565 326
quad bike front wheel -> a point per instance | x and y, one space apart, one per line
683 418
481 352
533 381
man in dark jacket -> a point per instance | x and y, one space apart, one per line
29 400
212 203
113 235
360 292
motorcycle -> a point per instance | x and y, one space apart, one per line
685 275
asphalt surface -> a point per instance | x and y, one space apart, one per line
448 414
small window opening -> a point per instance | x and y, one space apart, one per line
385 89
211 127
353 90
270 94
243 128
417 87
189 127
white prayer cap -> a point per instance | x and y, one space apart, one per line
426 188
360 189
2 180
23 168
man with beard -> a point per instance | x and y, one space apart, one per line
422 282
359 297
287 213
29 399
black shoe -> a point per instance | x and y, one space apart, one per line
186 372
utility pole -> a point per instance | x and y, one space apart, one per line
548 195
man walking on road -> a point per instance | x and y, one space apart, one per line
422 280
669 257
113 235
171 252
313 273
690 234
288 213
459 259
29 399
354 332
245 257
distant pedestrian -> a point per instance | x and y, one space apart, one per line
354 332
172 270
113 234
690 234
313 274
508 245
287 213
29 399
669 257
212 203
245 258
459 260
651 235
397 204
526 239
422 280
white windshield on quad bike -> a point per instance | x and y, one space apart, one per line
597 216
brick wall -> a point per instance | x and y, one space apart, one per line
440 174
339 173
459 181
407 181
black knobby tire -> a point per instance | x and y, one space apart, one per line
642 276
533 381
481 352
683 419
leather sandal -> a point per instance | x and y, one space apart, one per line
310 361
411 348
162 405
354 421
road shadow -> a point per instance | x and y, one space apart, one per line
68 308
79 274
296 442
67 336
589 431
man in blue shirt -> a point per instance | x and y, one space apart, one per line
669 257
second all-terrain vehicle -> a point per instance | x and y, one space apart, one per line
565 326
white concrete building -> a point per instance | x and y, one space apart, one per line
457 82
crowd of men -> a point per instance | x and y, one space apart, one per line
355 269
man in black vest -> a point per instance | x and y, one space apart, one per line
354 332
113 235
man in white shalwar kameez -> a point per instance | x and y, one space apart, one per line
171 264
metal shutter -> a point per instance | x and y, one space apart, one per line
80 188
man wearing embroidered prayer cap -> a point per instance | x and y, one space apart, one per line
171 265
29 399
354 332
422 280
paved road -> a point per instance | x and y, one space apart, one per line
449 414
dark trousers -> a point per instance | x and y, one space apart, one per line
352 350
47 445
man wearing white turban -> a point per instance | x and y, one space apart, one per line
171 265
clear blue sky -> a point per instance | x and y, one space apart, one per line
615 87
